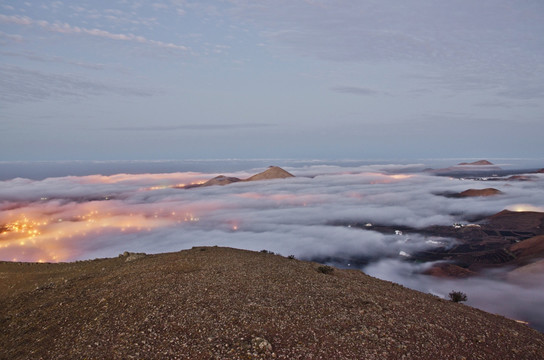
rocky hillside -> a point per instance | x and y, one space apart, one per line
221 303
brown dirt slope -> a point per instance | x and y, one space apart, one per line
221 303
534 268
526 274
530 248
517 220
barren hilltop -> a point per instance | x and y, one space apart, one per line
273 172
478 163
480 166
222 303
479 192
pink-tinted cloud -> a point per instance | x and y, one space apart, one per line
65 28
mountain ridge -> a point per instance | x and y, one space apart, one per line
272 173
477 163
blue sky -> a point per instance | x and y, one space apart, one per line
176 79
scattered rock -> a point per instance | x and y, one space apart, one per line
261 345
235 304
131 256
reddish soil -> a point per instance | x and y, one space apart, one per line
529 249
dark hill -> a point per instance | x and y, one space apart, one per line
220 303
477 163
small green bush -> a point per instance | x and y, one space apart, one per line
325 269
457 296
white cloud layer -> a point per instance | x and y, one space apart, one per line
69 218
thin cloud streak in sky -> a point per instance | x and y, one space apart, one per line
53 59
191 127
354 90
22 85
65 28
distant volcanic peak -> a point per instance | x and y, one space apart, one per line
273 172
480 192
483 166
477 163
221 180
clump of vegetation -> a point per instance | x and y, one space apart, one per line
325 269
457 296
291 257
264 251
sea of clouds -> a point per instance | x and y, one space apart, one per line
85 217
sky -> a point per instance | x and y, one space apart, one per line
181 79
85 217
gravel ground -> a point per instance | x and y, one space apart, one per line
221 303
